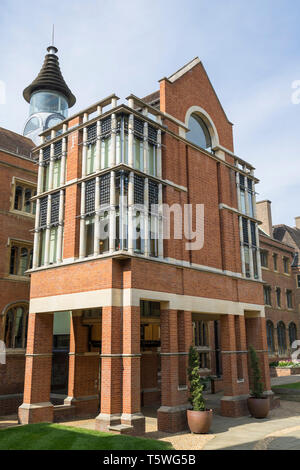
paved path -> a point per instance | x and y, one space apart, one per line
285 380
281 430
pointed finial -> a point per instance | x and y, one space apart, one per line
52 49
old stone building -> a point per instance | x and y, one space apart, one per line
137 298
18 176
280 274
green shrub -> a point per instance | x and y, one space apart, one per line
196 388
257 384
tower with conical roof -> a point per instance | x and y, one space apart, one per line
49 97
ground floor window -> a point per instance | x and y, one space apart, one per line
281 335
270 337
292 333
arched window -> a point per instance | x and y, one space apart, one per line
270 337
32 125
198 132
15 331
281 339
292 332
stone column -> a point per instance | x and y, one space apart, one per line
82 222
131 141
112 153
63 162
36 405
146 217
36 241
40 173
242 247
83 384
159 155
130 212
258 253
112 214
51 167
84 152
98 147
131 415
146 148
160 223
47 236
172 413
111 370
234 401
60 229
97 217
250 250
249 230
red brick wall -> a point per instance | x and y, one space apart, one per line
194 89
283 281
12 289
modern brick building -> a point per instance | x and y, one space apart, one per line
136 298
18 177
280 273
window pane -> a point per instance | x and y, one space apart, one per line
198 133
91 153
13 260
152 160
46 178
53 245
105 148
18 329
104 232
18 198
56 173
89 247
23 261
27 200
42 247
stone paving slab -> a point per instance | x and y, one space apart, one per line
290 379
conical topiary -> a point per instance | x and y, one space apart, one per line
196 388
257 384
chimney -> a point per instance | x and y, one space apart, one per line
297 222
264 214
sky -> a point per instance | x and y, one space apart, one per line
250 51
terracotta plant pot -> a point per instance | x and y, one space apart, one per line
199 421
258 407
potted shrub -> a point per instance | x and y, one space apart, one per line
199 418
258 403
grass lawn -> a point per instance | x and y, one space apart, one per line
293 385
46 436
